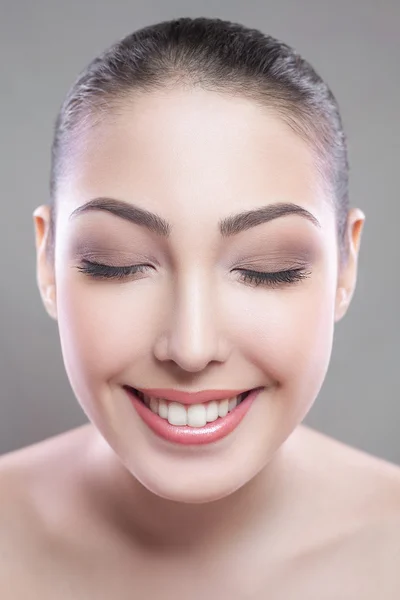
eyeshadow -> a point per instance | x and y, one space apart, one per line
285 243
279 248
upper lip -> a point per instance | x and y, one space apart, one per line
191 397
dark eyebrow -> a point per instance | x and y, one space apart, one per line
250 218
127 211
228 226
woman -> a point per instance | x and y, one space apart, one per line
197 252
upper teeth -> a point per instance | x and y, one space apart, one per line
195 415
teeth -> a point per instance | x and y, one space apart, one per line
233 402
212 412
195 415
163 409
177 414
154 405
223 407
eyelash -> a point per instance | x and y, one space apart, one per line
254 278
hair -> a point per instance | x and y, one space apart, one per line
219 56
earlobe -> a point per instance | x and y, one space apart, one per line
50 301
341 303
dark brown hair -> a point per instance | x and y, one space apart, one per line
218 56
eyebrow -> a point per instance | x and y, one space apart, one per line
228 226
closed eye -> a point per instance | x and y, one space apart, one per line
273 279
100 271
254 278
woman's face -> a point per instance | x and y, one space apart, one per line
188 320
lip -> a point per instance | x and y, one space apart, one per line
186 435
190 397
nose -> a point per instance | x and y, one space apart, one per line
193 334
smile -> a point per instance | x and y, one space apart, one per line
194 415
189 422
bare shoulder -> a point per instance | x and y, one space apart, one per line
361 485
33 479
357 515
23 471
349 502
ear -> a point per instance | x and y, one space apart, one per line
45 272
347 276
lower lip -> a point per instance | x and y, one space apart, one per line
211 432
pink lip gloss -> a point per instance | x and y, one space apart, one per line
211 432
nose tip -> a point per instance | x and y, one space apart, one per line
192 325
193 353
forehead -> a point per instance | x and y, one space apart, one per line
191 153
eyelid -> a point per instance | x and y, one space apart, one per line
116 258
274 252
278 265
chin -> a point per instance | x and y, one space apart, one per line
197 491
195 481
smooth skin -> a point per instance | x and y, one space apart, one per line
275 509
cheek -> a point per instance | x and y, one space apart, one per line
308 356
105 330
288 335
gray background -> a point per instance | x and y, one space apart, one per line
354 45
